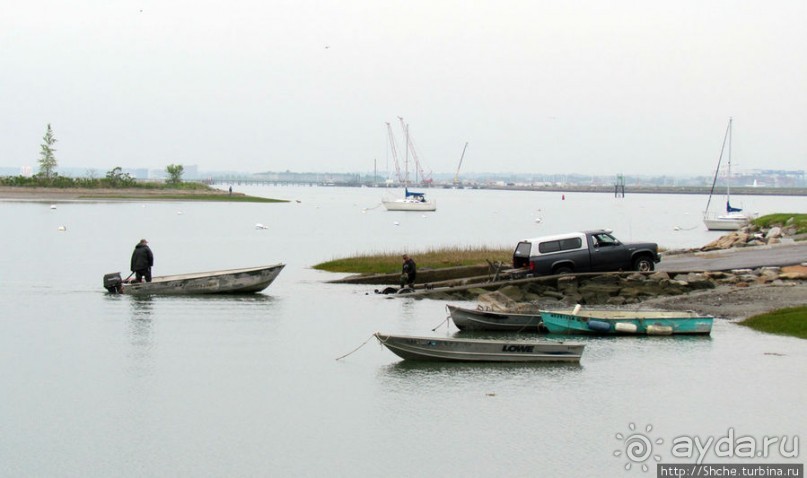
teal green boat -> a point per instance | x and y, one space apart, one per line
626 322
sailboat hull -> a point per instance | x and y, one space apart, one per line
725 222
409 205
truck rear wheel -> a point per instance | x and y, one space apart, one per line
643 264
562 270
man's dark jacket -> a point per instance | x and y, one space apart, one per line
142 258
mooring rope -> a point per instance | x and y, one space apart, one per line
374 207
445 321
357 348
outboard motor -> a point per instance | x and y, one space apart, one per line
113 283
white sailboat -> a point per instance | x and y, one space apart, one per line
733 218
412 200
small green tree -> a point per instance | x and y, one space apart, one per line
47 160
174 172
117 178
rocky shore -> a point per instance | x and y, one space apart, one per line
729 295
732 294
751 236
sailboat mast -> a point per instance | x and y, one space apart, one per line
717 170
406 160
457 176
728 178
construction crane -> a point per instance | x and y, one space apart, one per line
457 176
394 151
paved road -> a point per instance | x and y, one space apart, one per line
743 258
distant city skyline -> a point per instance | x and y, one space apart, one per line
641 88
752 178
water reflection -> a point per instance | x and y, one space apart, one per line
141 307
433 379
228 298
141 335
408 375
423 370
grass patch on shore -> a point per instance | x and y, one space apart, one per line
390 262
781 219
791 321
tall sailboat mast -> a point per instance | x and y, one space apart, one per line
726 138
728 178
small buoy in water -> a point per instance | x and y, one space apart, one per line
396 223
53 206
179 213
62 228
676 228
261 226
538 220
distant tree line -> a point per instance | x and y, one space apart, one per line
115 177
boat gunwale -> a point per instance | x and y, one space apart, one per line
492 313
199 275
519 341
614 315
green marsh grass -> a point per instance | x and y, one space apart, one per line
799 221
390 262
790 321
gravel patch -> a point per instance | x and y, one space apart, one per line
734 303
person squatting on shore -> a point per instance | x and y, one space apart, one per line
408 272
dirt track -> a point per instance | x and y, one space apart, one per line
731 302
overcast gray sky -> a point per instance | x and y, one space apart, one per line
585 86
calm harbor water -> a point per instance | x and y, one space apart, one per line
95 385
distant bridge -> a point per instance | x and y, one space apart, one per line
251 181
357 181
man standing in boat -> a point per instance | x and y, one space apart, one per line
408 272
142 261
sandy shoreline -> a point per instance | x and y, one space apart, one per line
11 193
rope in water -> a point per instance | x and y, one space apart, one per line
445 321
374 207
357 348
